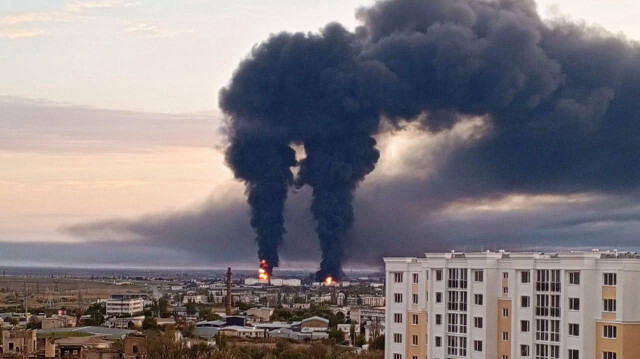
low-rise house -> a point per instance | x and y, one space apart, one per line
59 321
242 332
125 323
78 347
262 314
291 334
315 324
135 346
19 341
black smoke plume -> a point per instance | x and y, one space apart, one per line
561 102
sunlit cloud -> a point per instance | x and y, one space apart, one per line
154 31
67 13
21 33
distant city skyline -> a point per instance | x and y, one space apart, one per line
109 118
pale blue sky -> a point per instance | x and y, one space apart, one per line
174 55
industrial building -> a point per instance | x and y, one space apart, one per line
506 305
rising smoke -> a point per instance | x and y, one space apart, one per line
560 101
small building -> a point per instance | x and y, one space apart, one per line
260 314
135 346
19 341
195 298
78 347
242 332
59 321
124 305
315 324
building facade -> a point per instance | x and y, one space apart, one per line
124 305
513 305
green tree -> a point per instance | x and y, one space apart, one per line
378 343
337 336
352 333
149 323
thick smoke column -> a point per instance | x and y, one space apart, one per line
560 101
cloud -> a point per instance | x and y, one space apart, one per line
154 31
22 33
67 13
32 125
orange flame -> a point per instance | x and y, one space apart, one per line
262 271
328 281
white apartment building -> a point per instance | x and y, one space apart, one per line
505 305
124 305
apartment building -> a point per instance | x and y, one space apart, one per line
506 305
124 305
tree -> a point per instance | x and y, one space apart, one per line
378 343
337 336
14 321
149 323
352 333
191 308
360 340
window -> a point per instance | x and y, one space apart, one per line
397 277
438 319
525 326
397 356
414 340
609 355
457 346
397 338
426 275
609 305
574 303
397 317
438 341
525 301
505 312
548 330
505 290
414 319
477 345
415 278
397 297
477 299
478 275
438 275
524 350
574 354
505 336
574 329
525 277
438 297
610 331
505 356
610 279
545 351
574 278
415 299
505 275
477 322
548 280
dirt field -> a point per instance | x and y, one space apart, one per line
58 292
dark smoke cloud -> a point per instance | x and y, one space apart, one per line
560 99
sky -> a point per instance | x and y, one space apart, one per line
111 142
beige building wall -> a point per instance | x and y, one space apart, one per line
419 330
504 325
626 345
